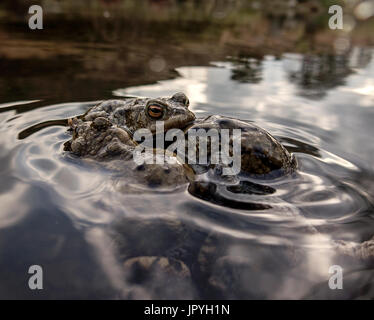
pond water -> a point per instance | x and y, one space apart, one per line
61 213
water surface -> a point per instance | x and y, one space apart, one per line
68 216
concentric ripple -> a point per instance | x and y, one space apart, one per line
288 223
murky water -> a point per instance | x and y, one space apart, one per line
68 216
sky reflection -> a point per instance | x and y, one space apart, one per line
331 116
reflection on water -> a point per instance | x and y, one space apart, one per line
266 239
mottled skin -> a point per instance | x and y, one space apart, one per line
145 177
261 154
131 114
105 131
100 139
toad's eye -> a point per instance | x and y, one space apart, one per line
155 111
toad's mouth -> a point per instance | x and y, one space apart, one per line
178 122
188 125
183 126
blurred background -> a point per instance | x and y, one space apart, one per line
87 48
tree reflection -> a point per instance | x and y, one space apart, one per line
247 70
320 73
